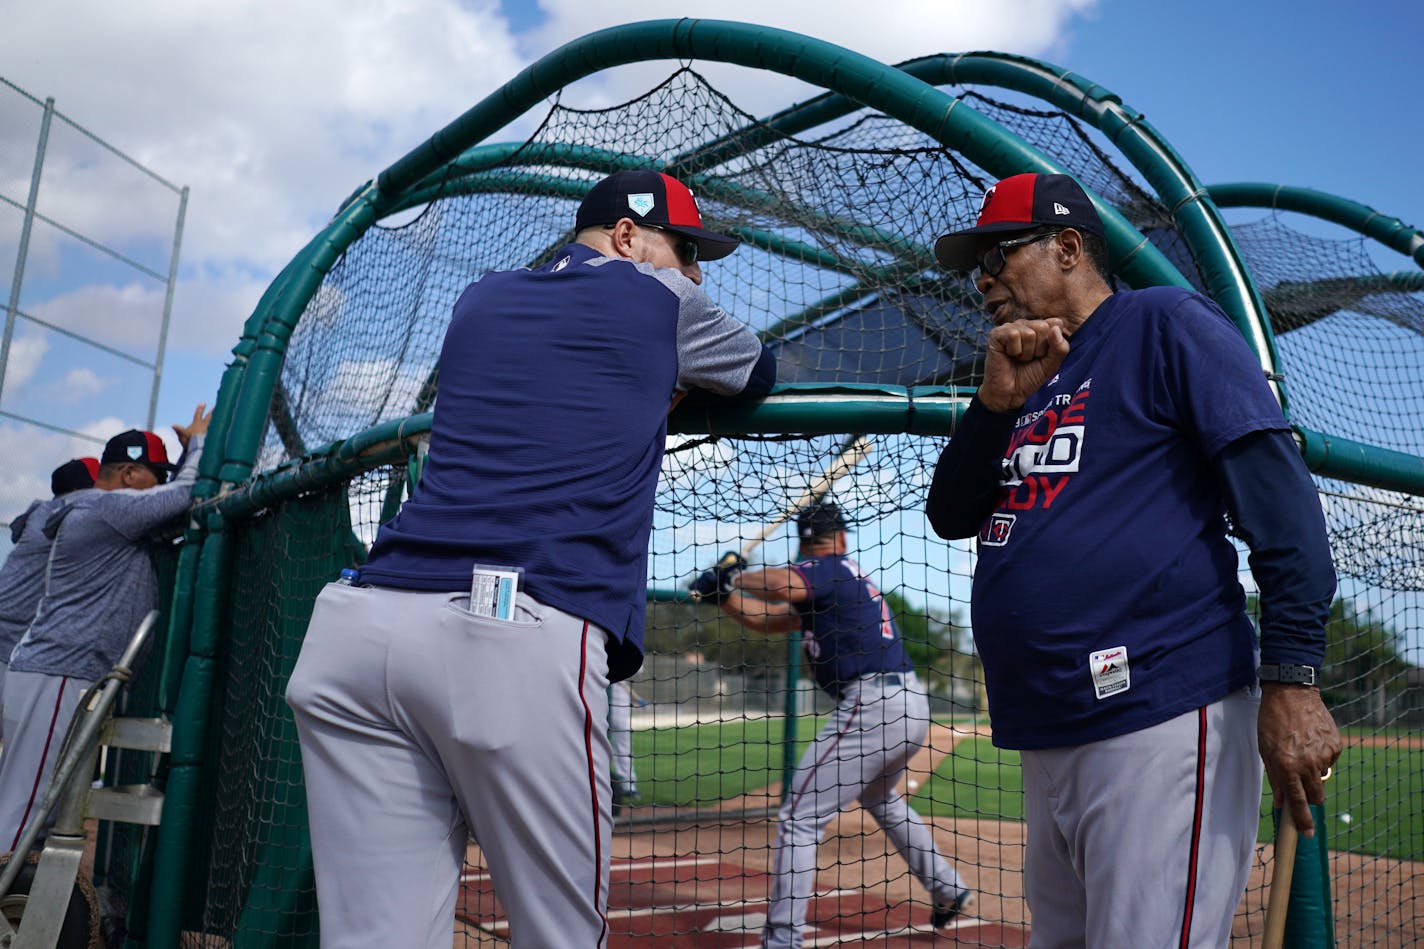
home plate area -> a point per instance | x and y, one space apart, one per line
697 900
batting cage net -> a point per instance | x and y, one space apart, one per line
838 206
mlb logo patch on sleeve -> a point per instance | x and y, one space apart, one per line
1110 671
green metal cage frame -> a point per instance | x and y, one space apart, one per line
459 156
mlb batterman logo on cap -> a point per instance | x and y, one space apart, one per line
1021 203
650 197
143 448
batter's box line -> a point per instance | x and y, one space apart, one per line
497 927
871 937
647 863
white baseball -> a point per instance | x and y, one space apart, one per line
912 784
1345 818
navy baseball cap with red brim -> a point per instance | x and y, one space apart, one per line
650 197
1021 203
140 448
74 475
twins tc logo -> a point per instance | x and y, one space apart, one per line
995 532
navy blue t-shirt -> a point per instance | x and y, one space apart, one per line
846 625
1106 598
549 432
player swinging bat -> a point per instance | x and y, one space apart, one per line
857 656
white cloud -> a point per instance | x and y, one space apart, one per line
890 31
26 354
24 476
81 384
272 113
355 382
126 317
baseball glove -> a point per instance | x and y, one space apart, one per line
715 583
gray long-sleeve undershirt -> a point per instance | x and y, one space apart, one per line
101 578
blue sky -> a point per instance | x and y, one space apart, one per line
273 113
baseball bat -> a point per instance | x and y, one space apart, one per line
853 455
1279 902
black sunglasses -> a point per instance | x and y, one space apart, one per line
684 247
991 264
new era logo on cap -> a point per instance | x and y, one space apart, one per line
1021 203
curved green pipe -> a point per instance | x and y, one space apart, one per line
1223 268
481 159
806 408
824 64
264 368
1295 304
859 77
1347 460
555 186
1363 219
249 390
235 439
1207 235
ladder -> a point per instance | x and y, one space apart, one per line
72 799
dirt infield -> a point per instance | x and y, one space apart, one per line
705 884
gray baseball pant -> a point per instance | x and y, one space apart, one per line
421 725
860 753
620 734
38 710
1144 841
4 668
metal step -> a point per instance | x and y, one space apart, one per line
139 734
128 803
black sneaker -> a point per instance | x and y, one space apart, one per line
944 912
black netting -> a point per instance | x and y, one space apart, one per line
836 274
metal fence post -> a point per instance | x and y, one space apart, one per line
23 251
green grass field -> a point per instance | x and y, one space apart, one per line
977 780
701 765
1380 788
1382 791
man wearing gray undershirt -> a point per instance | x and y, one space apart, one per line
101 583
22 578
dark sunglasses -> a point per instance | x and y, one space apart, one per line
991 264
684 247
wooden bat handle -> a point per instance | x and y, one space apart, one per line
1286 836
